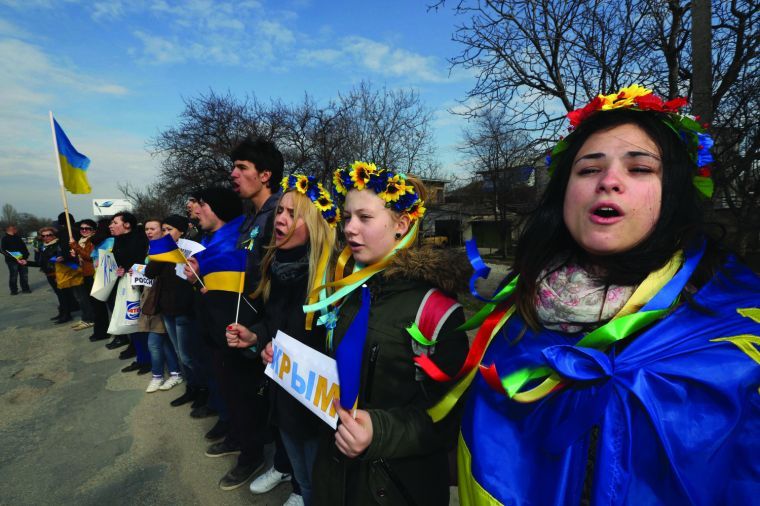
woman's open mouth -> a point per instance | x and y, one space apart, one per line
606 214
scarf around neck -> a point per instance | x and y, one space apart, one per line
570 299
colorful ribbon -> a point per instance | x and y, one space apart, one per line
665 284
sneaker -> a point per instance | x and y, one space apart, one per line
174 380
154 385
294 500
76 324
268 481
221 449
238 475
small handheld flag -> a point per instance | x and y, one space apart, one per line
165 250
16 254
349 353
222 270
73 164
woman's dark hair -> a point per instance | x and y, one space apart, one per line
101 232
127 217
546 242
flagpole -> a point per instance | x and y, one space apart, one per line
60 177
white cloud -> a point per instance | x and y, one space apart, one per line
377 57
107 9
24 66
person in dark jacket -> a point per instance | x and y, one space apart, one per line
51 254
240 377
101 240
130 247
302 238
388 450
257 168
15 253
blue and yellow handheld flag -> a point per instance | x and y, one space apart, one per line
222 269
16 254
349 354
73 164
165 250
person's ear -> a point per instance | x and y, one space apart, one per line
402 226
265 176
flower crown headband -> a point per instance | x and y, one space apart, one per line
393 188
309 186
694 135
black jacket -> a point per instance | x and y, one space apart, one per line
13 243
130 249
283 311
255 233
407 460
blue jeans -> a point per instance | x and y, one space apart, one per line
184 336
16 270
161 353
302 454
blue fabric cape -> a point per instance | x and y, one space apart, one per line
678 414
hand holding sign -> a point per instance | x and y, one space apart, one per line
354 433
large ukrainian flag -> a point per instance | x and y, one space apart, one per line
73 163
165 250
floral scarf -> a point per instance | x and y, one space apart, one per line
571 300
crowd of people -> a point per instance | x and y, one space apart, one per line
613 365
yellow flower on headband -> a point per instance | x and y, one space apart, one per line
417 210
323 202
395 189
302 183
626 97
361 172
338 183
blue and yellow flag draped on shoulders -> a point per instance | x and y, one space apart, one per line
676 410
73 163
221 264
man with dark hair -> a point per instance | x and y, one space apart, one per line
257 168
15 253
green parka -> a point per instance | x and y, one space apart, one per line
407 462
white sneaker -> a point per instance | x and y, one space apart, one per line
154 385
268 481
294 500
174 380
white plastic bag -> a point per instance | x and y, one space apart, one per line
105 276
126 310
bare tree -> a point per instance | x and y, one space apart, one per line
504 162
389 127
10 215
151 202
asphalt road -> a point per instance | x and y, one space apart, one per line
76 430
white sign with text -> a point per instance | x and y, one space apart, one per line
306 374
189 248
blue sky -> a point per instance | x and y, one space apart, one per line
115 72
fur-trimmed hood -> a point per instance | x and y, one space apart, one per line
446 269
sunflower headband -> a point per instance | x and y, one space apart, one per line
393 188
693 134
309 186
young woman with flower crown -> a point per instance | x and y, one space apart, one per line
296 262
621 369
386 449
